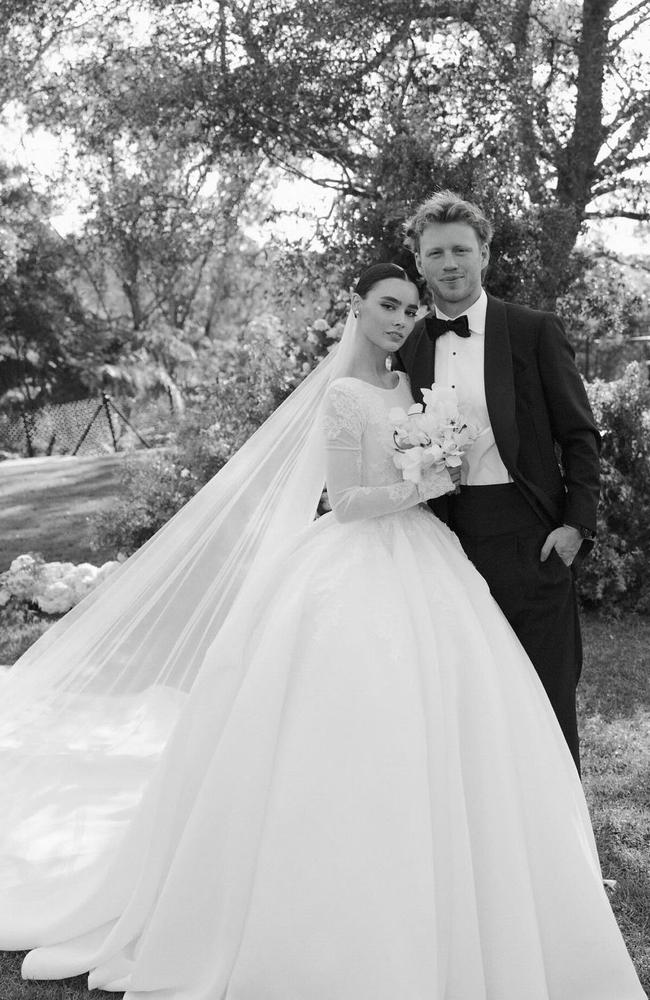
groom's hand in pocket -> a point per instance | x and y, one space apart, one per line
565 540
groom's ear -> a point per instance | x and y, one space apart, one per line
485 258
418 262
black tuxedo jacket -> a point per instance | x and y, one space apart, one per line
536 402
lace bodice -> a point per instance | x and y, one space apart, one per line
362 479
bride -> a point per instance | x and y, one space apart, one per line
287 759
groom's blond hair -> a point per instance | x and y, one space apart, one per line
446 206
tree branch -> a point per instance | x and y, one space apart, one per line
635 262
631 31
330 183
619 213
630 13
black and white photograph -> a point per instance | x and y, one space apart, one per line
324 500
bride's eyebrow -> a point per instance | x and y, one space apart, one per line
397 302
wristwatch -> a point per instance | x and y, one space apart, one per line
586 533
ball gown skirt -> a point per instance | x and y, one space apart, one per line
369 799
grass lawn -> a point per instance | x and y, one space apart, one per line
614 702
46 504
615 724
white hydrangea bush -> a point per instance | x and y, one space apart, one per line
54 587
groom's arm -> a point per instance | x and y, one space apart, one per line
572 423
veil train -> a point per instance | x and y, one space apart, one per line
106 682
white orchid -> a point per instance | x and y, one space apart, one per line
410 427
441 402
410 463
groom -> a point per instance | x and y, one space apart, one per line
527 504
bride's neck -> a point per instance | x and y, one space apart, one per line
370 366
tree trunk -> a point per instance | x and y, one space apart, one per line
576 163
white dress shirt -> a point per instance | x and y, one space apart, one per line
460 364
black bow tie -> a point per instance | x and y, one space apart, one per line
436 326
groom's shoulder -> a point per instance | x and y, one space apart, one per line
522 315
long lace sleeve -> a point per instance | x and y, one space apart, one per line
344 424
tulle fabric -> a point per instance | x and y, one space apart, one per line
367 797
92 703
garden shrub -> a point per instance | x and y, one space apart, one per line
238 389
618 569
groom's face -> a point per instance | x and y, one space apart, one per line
451 259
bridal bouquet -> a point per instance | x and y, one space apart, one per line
433 434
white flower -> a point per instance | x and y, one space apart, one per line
108 568
20 578
53 572
81 580
441 402
21 563
56 598
410 427
435 453
320 325
54 587
397 415
410 462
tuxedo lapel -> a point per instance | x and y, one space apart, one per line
500 383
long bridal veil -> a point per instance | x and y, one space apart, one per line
86 712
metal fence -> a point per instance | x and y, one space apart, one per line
83 427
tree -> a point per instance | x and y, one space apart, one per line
538 108
506 104
47 345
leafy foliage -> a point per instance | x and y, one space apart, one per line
603 311
619 567
506 100
45 341
252 378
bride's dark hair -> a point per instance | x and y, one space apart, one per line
378 272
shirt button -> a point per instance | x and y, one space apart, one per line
454 353
453 386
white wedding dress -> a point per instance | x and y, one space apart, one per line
366 795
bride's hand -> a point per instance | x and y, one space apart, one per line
436 482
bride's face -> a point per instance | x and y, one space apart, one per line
387 314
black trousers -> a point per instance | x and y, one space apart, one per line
503 537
